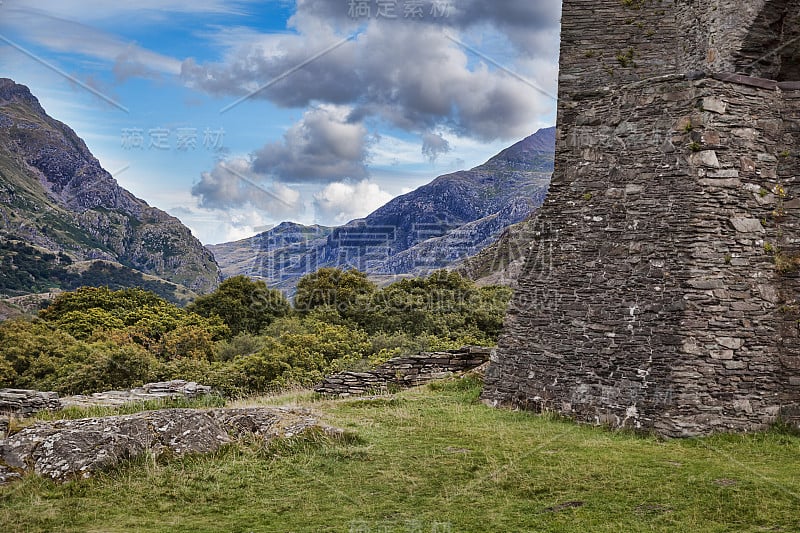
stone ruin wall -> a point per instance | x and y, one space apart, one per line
661 292
405 371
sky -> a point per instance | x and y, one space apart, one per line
236 115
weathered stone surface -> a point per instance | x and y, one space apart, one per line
747 225
406 371
715 105
674 308
77 448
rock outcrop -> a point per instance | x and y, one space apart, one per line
661 288
68 449
405 371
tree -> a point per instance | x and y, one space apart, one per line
188 342
84 324
302 351
134 315
445 305
105 366
32 349
119 302
243 304
340 289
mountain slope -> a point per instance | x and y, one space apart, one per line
55 195
501 262
452 218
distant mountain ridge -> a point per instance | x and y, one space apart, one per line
54 195
437 225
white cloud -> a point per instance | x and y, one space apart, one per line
389 150
342 202
233 184
66 35
214 226
323 146
411 76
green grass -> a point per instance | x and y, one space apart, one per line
436 460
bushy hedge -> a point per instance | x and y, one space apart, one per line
244 337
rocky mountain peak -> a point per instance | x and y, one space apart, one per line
11 91
528 154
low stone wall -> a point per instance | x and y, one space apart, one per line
23 402
406 371
164 390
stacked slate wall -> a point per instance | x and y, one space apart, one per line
405 371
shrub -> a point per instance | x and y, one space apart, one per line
245 306
339 289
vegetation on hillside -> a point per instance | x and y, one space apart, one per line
244 337
26 269
434 459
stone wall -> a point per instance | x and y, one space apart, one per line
21 402
662 291
406 371
163 390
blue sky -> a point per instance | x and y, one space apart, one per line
235 115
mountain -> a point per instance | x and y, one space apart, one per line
59 207
446 221
501 262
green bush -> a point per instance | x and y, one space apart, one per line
245 306
84 324
106 366
333 287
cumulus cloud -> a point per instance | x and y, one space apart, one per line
342 202
434 145
407 73
323 146
233 184
530 18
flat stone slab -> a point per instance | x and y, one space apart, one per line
68 449
747 225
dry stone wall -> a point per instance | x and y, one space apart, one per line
23 402
661 292
406 371
163 390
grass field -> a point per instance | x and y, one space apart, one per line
433 459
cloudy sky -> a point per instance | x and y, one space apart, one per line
234 115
